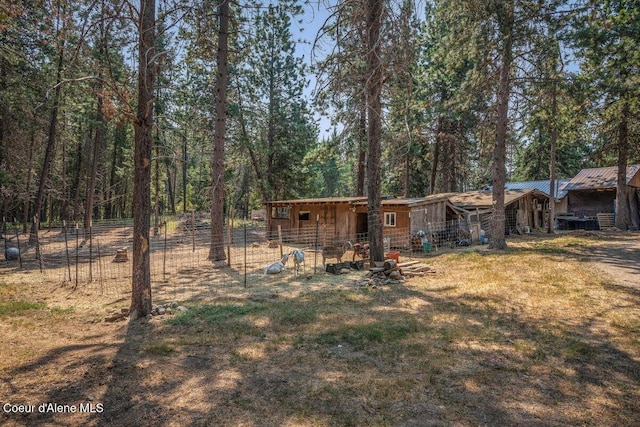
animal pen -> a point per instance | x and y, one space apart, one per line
98 258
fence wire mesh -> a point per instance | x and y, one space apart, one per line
98 258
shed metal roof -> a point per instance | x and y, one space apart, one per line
541 185
484 199
599 178
411 201
321 200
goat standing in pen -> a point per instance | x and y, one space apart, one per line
335 252
278 266
361 250
298 258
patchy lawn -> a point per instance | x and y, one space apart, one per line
546 333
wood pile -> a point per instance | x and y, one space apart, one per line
415 269
388 268
393 269
121 255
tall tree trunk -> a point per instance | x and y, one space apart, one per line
98 140
51 141
171 184
499 154
185 165
216 251
119 136
141 275
439 183
374 84
449 144
271 134
622 206
77 176
4 114
436 158
27 200
255 162
156 185
552 161
95 162
362 151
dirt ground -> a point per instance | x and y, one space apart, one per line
67 366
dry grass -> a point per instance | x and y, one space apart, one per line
536 335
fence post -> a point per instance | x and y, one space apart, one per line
19 248
229 228
164 252
245 251
315 257
280 240
38 253
4 233
100 269
193 230
90 251
77 255
66 248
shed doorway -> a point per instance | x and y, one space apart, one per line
362 223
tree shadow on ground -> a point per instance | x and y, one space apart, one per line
450 361
348 355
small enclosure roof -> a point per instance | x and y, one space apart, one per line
600 178
322 200
411 201
542 185
484 199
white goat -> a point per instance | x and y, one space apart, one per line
298 258
277 267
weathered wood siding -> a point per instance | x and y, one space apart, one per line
590 203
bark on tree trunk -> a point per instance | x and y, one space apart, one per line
216 251
374 116
99 136
552 162
498 227
257 165
622 207
436 161
80 152
185 159
93 173
141 277
27 201
362 152
51 142
171 183
119 135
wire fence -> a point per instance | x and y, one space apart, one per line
98 258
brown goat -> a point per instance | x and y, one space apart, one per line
361 250
334 252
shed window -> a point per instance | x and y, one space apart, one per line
281 212
304 215
389 219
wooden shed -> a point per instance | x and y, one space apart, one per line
544 186
403 217
346 218
524 208
335 217
592 192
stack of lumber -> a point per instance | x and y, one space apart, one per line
415 269
406 269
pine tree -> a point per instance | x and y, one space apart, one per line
141 277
